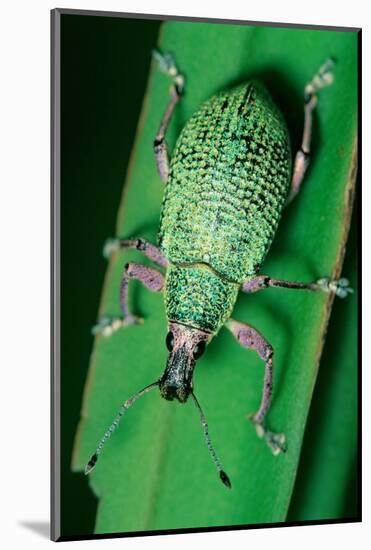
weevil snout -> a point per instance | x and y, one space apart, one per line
185 345
176 382
171 392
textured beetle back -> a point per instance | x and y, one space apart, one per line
228 182
197 297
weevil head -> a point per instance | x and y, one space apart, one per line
185 345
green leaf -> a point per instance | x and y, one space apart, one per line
155 472
326 482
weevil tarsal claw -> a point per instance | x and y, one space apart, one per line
108 325
166 62
110 247
275 441
167 65
340 287
324 77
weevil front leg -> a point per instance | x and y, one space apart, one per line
250 338
323 78
340 287
167 65
149 277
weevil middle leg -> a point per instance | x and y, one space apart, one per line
149 277
148 249
340 287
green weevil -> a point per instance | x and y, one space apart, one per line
227 183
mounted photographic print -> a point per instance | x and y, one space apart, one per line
205 362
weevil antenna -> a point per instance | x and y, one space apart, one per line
223 476
124 407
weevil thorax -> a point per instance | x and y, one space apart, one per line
185 345
198 297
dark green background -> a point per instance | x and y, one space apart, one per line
104 69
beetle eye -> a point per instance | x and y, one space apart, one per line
199 349
170 341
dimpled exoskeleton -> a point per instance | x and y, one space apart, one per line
226 185
228 181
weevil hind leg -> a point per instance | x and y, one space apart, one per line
324 77
250 338
151 278
167 65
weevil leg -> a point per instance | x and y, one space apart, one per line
340 287
150 278
323 78
149 250
250 338
167 65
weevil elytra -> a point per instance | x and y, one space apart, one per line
227 183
